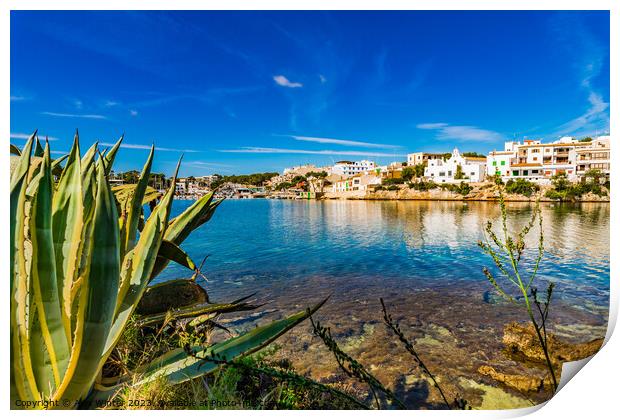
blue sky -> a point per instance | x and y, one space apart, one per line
240 92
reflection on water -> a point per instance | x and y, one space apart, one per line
423 258
257 244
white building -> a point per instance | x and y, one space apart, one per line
498 163
596 156
537 161
421 157
348 168
473 169
357 182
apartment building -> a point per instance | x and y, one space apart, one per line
596 156
348 168
422 157
537 161
472 169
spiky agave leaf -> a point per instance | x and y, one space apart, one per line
172 252
38 148
124 193
23 382
194 311
50 348
181 226
67 222
110 155
97 298
129 226
177 366
15 150
138 266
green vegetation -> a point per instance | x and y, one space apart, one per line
521 186
416 171
507 254
463 188
564 190
391 187
320 175
258 179
257 381
459 172
390 184
473 154
392 181
423 185
81 259
299 181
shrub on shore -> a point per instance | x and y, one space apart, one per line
564 190
423 185
463 188
392 181
521 186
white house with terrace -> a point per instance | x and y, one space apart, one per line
536 161
348 168
442 171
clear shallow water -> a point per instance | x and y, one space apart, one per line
256 245
422 258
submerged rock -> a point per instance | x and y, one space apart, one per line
494 398
171 294
522 383
524 340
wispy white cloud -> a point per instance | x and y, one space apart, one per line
432 126
283 81
446 131
78 104
133 112
326 140
309 152
64 115
24 136
210 96
589 56
595 118
110 103
322 78
18 98
148 147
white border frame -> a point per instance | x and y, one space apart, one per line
593 393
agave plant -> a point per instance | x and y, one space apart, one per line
81 259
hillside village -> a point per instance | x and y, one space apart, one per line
524 167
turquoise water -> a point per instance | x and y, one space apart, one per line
422 258
268 246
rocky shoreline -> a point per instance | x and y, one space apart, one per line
480 192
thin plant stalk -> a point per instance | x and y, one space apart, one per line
389 321
507 255
352 367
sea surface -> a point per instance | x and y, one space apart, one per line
423 258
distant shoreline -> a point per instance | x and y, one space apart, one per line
462 199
